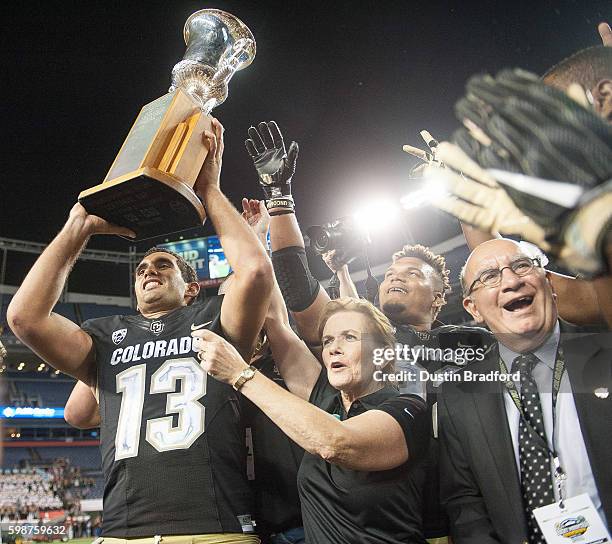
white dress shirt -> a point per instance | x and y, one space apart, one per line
568 435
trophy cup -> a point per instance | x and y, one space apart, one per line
149 187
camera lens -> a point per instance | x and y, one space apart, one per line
322 241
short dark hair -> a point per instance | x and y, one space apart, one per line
187 271
437 262
586 67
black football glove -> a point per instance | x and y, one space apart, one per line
275 166
540 145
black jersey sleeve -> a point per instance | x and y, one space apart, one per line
410 411
97 326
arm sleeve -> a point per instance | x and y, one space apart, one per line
410 411
298 286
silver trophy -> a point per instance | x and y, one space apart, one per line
149 187
218 45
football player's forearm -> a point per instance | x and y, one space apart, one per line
240 244
285 231
603 289
577 300
45 281
474 237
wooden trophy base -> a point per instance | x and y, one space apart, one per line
149 185
148 201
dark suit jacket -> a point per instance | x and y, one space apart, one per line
479 478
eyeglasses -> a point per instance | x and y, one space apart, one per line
493 276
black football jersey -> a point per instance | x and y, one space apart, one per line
437 352
276 461
172 442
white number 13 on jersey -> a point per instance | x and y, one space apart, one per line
160 432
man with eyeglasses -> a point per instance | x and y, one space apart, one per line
505 445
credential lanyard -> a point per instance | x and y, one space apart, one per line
558 371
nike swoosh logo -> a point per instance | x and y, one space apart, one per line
408 412
195 327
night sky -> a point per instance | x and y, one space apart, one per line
350 81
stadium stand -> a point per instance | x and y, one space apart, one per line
83 457
24 493
39 392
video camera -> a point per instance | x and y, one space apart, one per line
343 235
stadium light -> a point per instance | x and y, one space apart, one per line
431 191
376 215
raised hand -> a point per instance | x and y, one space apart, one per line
477 199
428 158
257 216
210 172
275 166
92 224
332 260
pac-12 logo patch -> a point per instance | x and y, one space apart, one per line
156 327
118 336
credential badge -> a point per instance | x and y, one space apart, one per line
156 327
118 336
572 528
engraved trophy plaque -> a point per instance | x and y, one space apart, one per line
149 187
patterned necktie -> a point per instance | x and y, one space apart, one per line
536 477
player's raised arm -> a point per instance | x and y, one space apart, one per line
298 367
244 308
275 168
57 340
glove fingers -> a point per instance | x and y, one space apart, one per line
292 156
266 136
456 158
250 146
470 191
277 137
419 169
465 212
416 152
257 141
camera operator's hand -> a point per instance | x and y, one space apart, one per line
275 166
332 260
